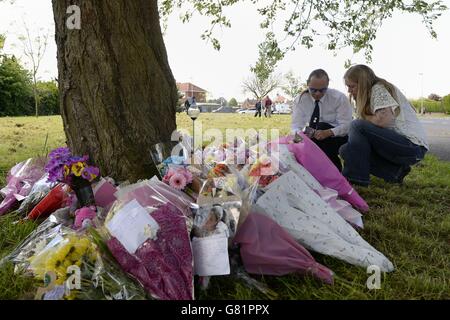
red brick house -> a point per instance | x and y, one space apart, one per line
279 99
249 103
190 90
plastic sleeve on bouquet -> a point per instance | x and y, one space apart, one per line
20 181
40 189
152 244
57 198
55 251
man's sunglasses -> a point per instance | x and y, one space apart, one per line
313 90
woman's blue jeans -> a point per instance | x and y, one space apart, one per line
379 151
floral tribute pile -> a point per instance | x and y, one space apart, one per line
203 216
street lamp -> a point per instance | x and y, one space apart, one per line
193 113
421 102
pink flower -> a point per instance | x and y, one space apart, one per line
188 175
178 181
178 171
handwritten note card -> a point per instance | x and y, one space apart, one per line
132 226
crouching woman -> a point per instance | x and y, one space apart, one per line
387 138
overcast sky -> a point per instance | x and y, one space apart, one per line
402 51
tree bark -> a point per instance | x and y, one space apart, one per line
117 92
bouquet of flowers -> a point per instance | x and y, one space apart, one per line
21 179
264 170
73 171
152 245
220 170
63 167
61 258
178 177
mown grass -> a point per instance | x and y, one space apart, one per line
410 224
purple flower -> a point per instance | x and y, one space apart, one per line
61 158
90 173
60 154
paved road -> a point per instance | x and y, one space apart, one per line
438 132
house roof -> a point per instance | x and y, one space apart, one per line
280 99
189 87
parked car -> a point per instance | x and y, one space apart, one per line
248 111
282 108
224 109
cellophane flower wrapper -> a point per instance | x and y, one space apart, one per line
58 197
218 213
37 240
154 193
166 153
40 189
20 181
53 247
163 264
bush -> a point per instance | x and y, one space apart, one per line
429 105
446 103
48 98
15 88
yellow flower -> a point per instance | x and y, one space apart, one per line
77 168
67 263
75 256
66 170
63 252
52 263
93 256
61 273
72 295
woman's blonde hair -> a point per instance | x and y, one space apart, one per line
365 79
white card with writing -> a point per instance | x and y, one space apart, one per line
211 255
132 226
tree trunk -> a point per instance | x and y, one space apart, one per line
117 93
36 98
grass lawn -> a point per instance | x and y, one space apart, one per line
410 224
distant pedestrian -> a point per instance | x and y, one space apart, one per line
193 102
187 105
267 107
258 107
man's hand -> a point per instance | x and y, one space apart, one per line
323 134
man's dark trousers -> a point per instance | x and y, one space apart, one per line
330 146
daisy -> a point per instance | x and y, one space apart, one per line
178 181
